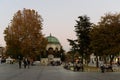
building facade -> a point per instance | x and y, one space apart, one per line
52 50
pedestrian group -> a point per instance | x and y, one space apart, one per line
25 62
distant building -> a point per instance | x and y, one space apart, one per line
52 50
53 43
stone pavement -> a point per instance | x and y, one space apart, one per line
12 72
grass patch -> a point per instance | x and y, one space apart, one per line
91 69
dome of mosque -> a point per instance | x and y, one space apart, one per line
52 39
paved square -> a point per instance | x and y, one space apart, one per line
12 72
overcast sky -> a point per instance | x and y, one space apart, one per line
59 15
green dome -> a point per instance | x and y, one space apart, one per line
52 39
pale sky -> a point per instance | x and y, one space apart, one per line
59 15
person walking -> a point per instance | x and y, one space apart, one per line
25 62
28 62
20 63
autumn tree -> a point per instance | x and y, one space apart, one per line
69 56
24 36
96 43
105 36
